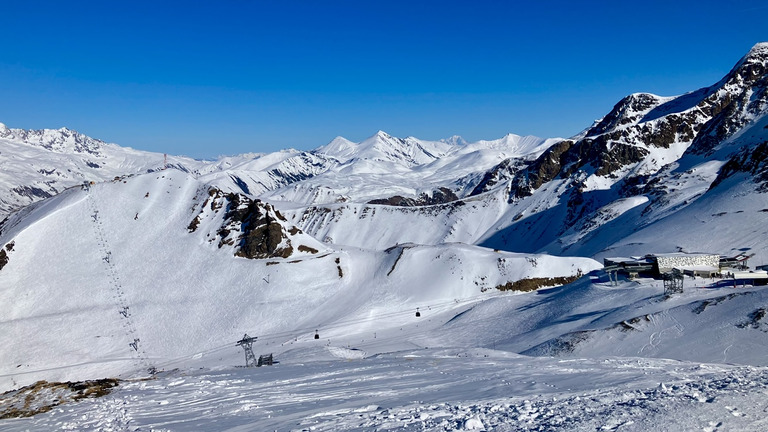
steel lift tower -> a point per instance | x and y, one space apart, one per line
247 343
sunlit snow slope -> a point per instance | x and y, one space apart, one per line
109 279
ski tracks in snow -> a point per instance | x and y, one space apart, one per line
434 391
658 320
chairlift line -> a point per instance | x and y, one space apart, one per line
291 334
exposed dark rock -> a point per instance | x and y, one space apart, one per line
755 320
307 249
254 228
37 398
746 96
192 227
264 241
440 195
499 174
624 112
704 304
752 160
540 171
3 258
532 284
32 192
261 234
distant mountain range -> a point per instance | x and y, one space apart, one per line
650 155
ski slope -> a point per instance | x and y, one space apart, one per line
375 364
116 266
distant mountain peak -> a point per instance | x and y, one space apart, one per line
455 140
62 140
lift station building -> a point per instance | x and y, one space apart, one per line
655 265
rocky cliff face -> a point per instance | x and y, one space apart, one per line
636 148
740 98
254 229
643 125
750 160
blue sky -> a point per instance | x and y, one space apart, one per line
211 78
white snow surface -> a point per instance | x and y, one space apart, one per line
115 262
123 246
621 357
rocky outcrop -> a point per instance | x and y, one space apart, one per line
440 195
258 228
4 254
626 112
641 122
254 229
752 160
540 171
500 174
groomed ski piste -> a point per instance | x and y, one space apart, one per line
121 286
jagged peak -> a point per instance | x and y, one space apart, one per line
759 50
750 67
58 140
381 137
626 111
640 101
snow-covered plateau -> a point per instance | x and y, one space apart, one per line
394 283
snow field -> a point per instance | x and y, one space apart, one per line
124 286
434 390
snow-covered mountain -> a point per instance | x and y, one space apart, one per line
38 164
390 277
648 159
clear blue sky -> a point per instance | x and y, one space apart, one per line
232 76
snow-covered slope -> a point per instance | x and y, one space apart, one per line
152 268
136 274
